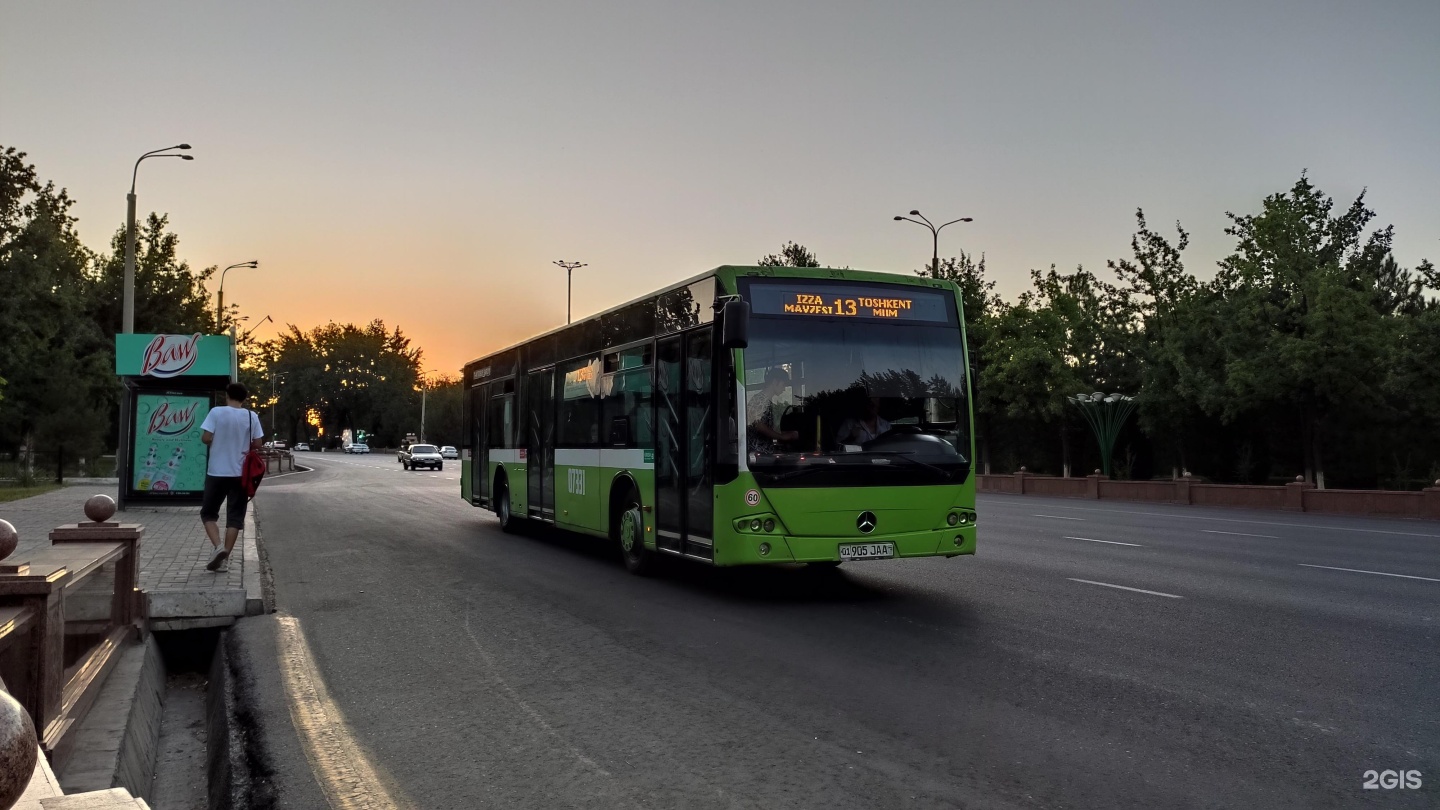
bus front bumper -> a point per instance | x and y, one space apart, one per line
751 548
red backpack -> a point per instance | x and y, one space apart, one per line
253 468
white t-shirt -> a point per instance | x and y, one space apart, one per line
233 429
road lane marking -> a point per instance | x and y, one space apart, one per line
1060 517
1242 534
1124 588
341 768
1235 520
1359 571
1111 542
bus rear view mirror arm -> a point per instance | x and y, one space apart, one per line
735 332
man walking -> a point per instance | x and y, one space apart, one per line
231 432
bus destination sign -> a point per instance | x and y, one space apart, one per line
878 302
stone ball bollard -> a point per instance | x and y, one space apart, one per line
18 750
1299 479
100 508
9 539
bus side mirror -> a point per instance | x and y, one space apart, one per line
735 333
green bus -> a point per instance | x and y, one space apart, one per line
748 415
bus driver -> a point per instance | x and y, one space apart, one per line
762 435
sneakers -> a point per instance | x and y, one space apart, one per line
219 564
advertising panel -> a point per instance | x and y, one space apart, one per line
168 458
162 357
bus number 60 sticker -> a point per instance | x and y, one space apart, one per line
752 497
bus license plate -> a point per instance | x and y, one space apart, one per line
867 551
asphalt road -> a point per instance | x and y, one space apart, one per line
1092 655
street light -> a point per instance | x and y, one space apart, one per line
935 237
220 305
570 267
273 396
423 390
128 311
262 322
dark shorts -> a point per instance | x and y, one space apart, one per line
217 489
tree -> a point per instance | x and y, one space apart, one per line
364 377
791 255
60 376
981 305
1300 302
1060 338
170 297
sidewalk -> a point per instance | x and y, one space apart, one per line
180 593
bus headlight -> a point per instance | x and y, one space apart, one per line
769 524
764 549
755 525
959 540
953 518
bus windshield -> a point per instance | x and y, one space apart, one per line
854 402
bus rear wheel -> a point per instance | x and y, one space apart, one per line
629 531
509 523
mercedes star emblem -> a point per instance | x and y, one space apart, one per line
866 522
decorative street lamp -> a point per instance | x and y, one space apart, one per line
1106 414
570 267
128 309
934 237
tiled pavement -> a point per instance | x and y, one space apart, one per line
173 555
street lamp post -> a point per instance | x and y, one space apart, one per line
934 236
424 389
276 403
128 309
570 267
220 304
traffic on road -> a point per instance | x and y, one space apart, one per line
1088 642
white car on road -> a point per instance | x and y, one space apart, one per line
357 448
421 455
449 452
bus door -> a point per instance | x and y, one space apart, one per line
684 439
479 455
540 443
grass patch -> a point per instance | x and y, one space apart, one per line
13 493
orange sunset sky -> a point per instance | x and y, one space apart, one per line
425 162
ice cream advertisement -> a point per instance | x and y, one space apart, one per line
169 457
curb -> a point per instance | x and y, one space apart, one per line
250 566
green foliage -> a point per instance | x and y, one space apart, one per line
353 377
170 297
60 376
791 255
1310 344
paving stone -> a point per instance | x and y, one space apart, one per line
173 553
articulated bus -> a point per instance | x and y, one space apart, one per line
748 415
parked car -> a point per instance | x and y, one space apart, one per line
302 447
421 455
449 452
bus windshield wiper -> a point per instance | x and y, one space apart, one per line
905 456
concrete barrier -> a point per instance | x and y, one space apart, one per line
1296 496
